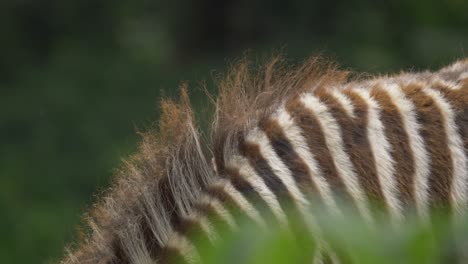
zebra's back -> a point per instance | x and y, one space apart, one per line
388 146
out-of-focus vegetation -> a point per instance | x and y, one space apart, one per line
345 238
78 78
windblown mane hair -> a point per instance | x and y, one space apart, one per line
163 181
247 96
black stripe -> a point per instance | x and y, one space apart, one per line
358 146
191 228
171 255
218 223
297 166
401 152
244 187
433 131
252 152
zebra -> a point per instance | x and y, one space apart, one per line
284 135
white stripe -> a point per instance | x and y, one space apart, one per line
279 169
445 84
208 228
185 247
417 146
224 214
284 174
298 142
342 162
257 182
205 225
456 147
461 67
243 203
321 249
381 149
344 101
463 76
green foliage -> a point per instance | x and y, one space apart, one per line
350 239
77 78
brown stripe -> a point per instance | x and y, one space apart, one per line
230 204
358 147
218 192
190 227
171 255
205 209
400 149
255 199
315 139
459 102
298 168
192 230
217 221
286 201
435 137
248 192
458 98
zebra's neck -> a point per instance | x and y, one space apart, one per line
396 141
400 142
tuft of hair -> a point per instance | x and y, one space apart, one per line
155 186
248 94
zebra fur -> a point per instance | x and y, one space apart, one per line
287 134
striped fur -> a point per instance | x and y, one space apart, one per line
280 139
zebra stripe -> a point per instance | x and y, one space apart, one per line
279 169
374 142
381 150
180 245
344 102
208 228
400 142
455 145
315 138
224 214
243 203
457 98
258 183
341 160
294 135
355 138
417 146
400 151
435 138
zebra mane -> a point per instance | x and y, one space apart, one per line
154 186
133 220
249 94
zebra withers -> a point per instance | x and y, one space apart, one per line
281 136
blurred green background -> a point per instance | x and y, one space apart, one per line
79 77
